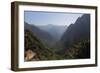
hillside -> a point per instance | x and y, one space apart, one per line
44 36
79 32
35 50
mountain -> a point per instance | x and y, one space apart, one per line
73 44
55 30
44 36
77 32
35 50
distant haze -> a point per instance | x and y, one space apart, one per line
56 18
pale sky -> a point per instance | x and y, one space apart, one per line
56 18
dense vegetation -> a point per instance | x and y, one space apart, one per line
34 44
80 50
74 43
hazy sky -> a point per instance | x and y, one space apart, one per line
56 18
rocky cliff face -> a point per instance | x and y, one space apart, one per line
76 32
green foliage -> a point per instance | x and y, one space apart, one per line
77 51
80 50
42 52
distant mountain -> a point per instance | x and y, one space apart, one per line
55 30
76 32
44 36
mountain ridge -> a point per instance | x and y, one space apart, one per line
44 36
55 30
76 32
